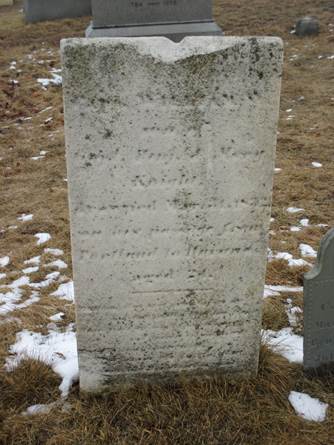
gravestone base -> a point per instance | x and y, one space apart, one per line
175 32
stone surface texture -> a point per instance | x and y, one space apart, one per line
6 2
170 152
41 10
319 308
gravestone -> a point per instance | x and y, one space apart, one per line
170 152
319 308
134 18
307 26
41 10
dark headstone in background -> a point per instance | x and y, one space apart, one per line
319 308
135 18
41 10
307 26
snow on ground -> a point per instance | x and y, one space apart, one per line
9 301
30 270
285 343
275 291
25 217
65 291
2 276
58 263
42 238
307 407
55 80
294 210
55 252
35 261
295 229
292 262
49 279
38 409
316 165
305 222
57 317
292 313
307 251
4 261
57 349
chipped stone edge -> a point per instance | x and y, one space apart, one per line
167 51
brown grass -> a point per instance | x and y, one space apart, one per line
218 411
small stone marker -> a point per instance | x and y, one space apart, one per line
170 152
135 18
319 308
307 26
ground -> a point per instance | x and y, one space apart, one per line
32 182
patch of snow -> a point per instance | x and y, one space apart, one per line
58 263
292 312
304 222
292 262
34 261
55 252
30 270
285 343
277 170
295 229
316 165
10 300
37 158
4 261
298 263
275 291
38 409
307 251
294 210
308 407
50 279
42 238
57 317
55 80
65 291
2 276
57 349
25 217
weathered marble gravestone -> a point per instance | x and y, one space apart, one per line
319 308
135 18
41 10
170 152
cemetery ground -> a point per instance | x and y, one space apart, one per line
37 340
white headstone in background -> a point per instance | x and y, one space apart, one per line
170 151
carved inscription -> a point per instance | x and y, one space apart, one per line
136 12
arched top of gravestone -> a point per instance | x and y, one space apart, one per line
325 261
